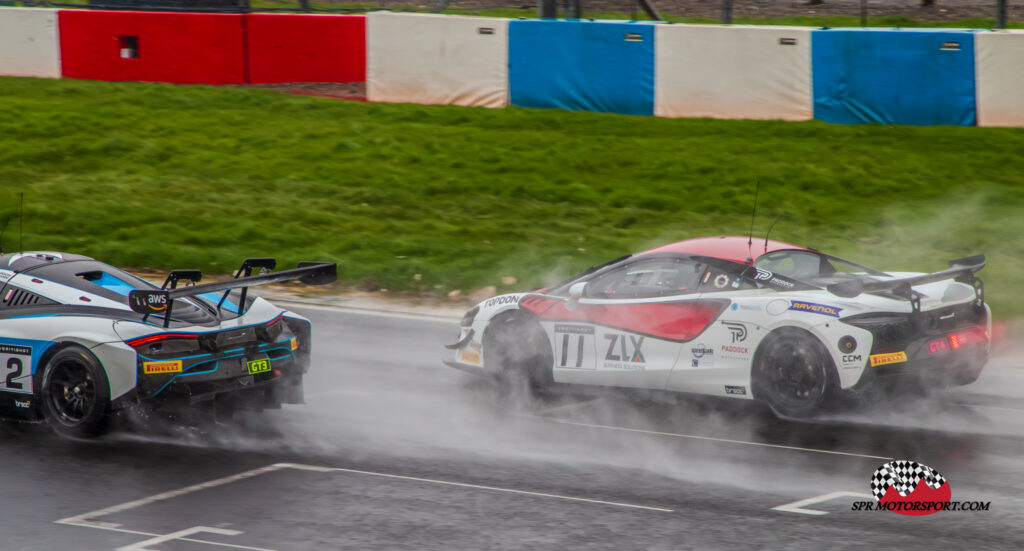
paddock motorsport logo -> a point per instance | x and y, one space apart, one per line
914 489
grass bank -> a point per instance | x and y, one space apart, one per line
436 198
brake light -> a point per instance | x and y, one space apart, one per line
958 340
166 344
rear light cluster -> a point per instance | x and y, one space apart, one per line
954 341
178 344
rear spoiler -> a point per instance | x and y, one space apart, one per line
161 301
961 269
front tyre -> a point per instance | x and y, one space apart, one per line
75 394
794 374
520 349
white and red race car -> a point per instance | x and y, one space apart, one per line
725 316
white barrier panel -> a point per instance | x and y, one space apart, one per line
439 59
29 46
999 66
734 72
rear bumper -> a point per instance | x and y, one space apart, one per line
258 375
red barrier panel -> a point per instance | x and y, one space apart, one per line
306 48
184 48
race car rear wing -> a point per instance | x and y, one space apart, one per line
161 301
961 269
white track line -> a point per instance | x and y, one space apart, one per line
987 407
89 520
709 438
798 506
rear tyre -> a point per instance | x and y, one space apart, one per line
794 374
75 394
520 348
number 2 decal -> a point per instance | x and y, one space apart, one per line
16 375
17 367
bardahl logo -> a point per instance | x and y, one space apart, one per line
156 368
890 358
505 299
815 308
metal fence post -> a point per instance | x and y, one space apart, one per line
1000 14
726 12
547 9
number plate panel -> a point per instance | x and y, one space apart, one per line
261 365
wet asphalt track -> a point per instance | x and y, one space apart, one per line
395 451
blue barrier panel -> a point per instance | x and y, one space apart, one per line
582 65
893 77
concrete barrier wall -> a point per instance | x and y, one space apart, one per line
421 58
582 65
921 77
733 72
1000 78
305 48
29 45
184 48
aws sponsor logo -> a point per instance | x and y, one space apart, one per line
502 300
814 308
624 352
890 358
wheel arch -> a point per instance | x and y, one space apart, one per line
778 332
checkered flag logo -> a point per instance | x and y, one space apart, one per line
905 475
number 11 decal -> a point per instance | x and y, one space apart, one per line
574 346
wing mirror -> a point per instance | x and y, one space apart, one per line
575 294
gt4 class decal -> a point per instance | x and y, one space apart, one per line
822 309
574 346
16 366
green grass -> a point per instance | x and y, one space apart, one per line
165 176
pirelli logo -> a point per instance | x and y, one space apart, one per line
891 358
156 368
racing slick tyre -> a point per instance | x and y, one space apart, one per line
75 394
794 374
519 346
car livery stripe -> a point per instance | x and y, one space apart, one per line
679 321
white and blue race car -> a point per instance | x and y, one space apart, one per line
80 339
725 316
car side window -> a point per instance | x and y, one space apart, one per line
648 278
795 264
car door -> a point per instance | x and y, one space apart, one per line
626 328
